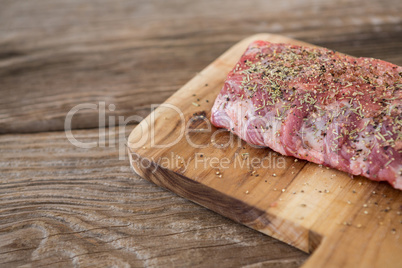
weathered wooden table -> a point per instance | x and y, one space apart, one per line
67 206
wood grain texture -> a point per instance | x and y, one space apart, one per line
62 206
55 55
346 222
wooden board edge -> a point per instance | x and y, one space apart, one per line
313 239
227 206
321 245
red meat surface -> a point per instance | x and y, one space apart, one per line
317 104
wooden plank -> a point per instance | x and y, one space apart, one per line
347 222
136 53
62 206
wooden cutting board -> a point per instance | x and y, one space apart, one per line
343 221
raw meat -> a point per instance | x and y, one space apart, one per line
317 104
